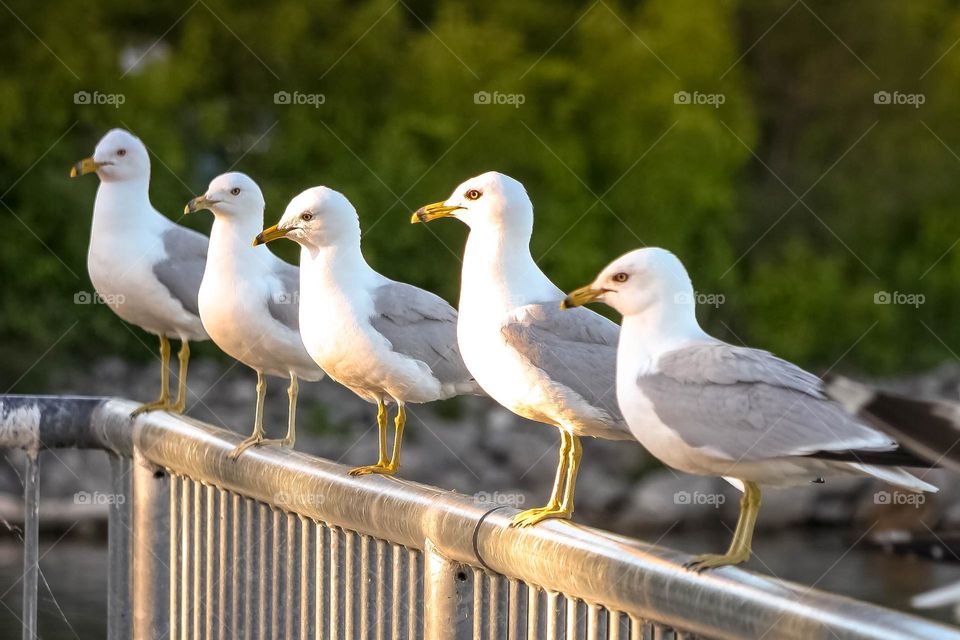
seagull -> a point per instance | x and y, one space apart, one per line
709 408
386 341
145 267
249 298
551 367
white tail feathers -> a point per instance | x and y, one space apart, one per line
895 476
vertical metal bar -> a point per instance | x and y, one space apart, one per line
185 493
363 583
118 551
263 516
320 592
31 544
225 623
415 622
336 587
305 631
572 624
349 584
533 612
478 595
446 605
594 631
196 601
554 615
175 525
613 624
396 593
381 621
212 521
249 566
292 577
514 615
152 535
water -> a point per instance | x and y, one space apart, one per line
77 574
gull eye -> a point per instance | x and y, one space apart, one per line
620 277
121 152
473 194
306 217
235 191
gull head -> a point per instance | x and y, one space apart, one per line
119 156
490 200
231 195
317 218
640 282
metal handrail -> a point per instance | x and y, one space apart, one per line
620 574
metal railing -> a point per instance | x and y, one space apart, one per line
283 545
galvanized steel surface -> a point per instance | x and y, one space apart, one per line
283 545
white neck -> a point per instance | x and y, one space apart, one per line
231 243
499 270
336 266
123 205
662 327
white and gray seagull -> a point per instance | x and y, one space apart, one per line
249 298
144 266
709 408
552 367
386 341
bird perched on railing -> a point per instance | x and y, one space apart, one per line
384 340
551 367
145 267
249 298
706 407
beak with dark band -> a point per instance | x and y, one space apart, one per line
433 211
269 234
581 296
82 168
199 203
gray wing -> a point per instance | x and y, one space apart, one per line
749 405
575 347
284 305
181 271
420 325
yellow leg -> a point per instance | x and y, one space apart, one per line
257 436
560 504
184 357
164 400
740 546
290 438
383 463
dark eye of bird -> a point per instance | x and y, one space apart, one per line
121 152
473 194
235 191
306 217
620 277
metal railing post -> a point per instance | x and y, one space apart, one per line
118 550
447 603
31 556
151 549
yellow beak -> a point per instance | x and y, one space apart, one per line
581 296
82 168
199 203
433 211
269 234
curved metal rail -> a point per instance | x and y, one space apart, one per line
281 544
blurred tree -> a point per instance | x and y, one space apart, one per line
586 107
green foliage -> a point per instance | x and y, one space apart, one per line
609 158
